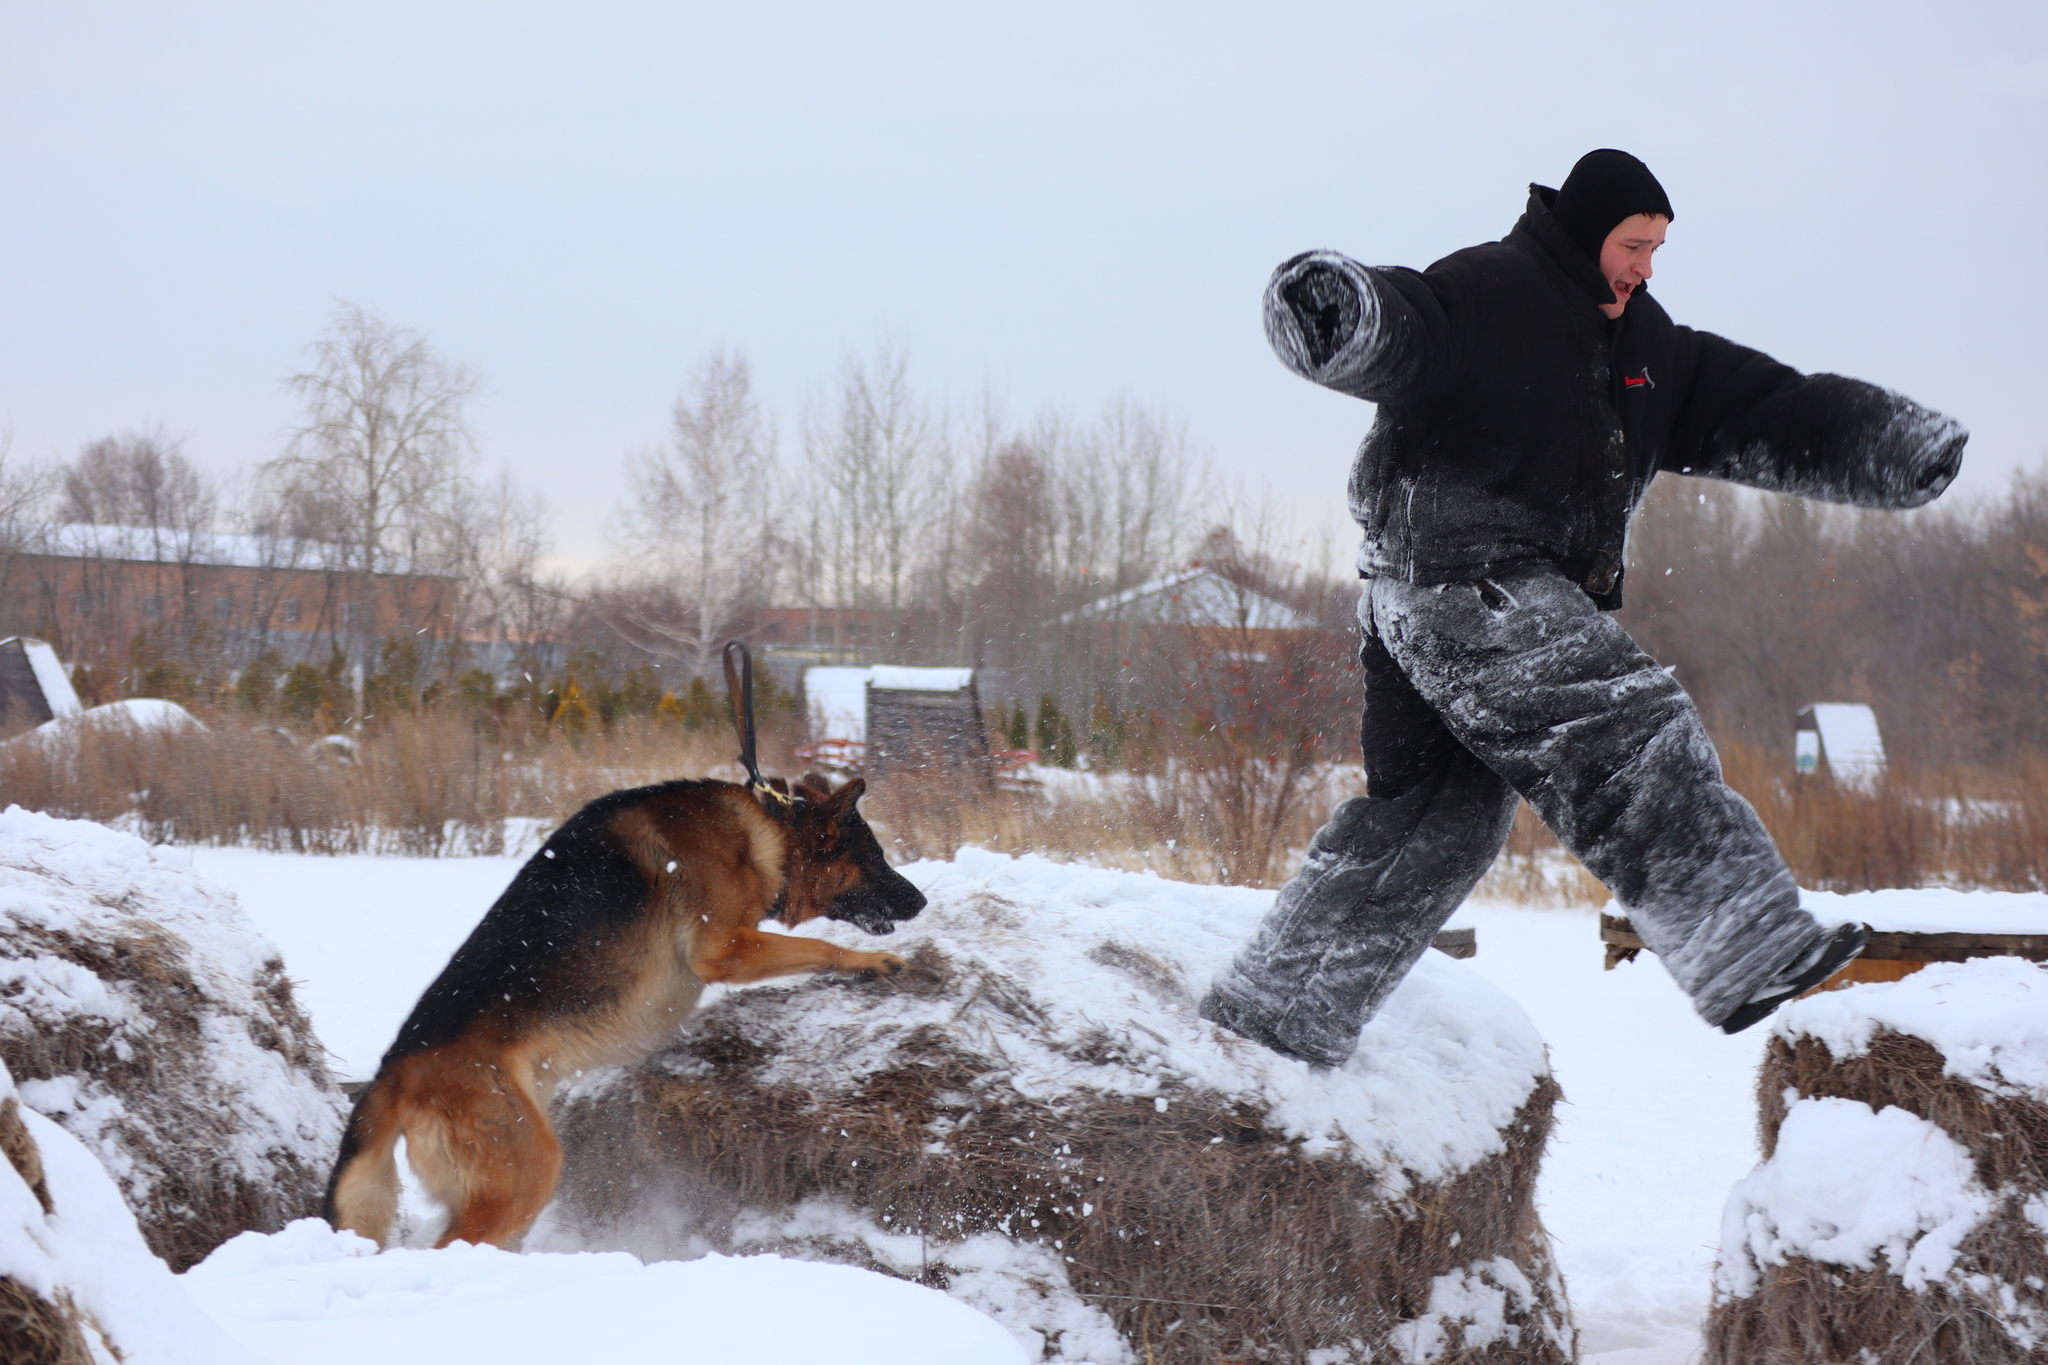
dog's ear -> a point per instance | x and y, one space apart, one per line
815 785
843 799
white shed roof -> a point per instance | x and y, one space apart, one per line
55 683
894 679
1849 738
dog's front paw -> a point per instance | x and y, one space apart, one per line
874 966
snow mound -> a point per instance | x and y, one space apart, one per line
142 1012
1903 1200
1037 1119
311 1295
1988 1018
133 714
1848 1183
77 1283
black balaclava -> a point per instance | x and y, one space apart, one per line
1605 187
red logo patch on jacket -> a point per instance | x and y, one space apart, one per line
1639 381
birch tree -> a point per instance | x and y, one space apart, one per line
140 479
25 487
503 535
877 487
386 448
699 511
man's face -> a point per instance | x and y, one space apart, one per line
1625 257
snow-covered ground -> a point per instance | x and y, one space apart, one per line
311 1296
1658 1125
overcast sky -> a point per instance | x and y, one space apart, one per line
1062 202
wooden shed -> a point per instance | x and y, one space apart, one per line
924 718
33 685
885 719
1840 738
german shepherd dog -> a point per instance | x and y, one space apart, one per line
592 957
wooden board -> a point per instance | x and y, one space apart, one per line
1892 955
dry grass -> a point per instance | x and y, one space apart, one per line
1210 1238
1809 1311
1230 800
35 1331
1163 822
427 785
445 782
2007 1134
1985 828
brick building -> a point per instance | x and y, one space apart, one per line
94 591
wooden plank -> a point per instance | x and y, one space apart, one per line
1890 945
1618 931
1862 970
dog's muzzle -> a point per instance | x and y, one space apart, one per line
877 908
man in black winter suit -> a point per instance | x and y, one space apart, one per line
1529 390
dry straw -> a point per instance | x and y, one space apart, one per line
444 781
1204 1235
1807 1311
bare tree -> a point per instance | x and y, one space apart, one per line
1131 482
1127 493
1063 516
700 509
137 495
385 450
141 479
501 539
1009 534
25 488
876 488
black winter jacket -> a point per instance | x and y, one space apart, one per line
1518 425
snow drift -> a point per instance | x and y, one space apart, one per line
1038 1122
312 1296
77 1284
142 1012
1901 1210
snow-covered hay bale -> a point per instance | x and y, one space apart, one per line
141 1010
1901 1210
40 1323
1037 1120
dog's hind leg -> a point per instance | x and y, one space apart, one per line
489 1154
362 1194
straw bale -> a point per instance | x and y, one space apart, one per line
1181 1227
35 1331
142 1012
1991 1307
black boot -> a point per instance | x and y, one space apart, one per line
1837 952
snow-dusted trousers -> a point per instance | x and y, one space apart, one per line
1477 692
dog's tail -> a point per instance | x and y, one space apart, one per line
362 1194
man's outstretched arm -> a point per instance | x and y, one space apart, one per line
1748 419
1375 333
